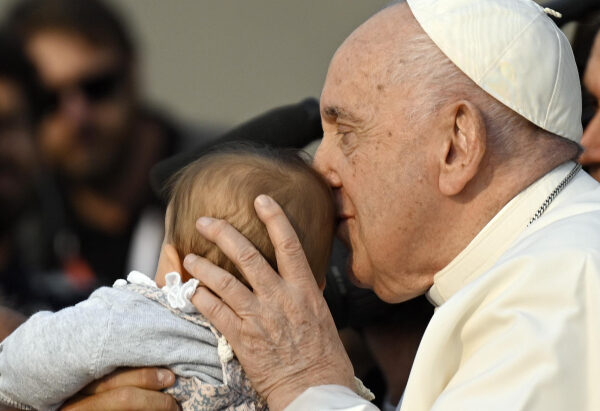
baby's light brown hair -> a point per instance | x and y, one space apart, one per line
224 184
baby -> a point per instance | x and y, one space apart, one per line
135 323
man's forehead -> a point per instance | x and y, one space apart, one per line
390 21
361 68
345 100
63 56
371 49
354 91
382 33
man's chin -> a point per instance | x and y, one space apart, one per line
352 276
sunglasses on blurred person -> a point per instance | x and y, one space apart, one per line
97 88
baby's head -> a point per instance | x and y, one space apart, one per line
224 184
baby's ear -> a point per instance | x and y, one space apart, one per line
169 261
173 260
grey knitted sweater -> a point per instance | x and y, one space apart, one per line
52 356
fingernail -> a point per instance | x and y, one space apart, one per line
189 259
165 377
204 221
263 200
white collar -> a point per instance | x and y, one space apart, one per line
495 238
179 295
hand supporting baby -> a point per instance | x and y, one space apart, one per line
127 389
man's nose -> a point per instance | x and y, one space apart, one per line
75 107
324 163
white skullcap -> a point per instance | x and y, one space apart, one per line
513 51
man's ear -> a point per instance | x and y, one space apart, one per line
464 147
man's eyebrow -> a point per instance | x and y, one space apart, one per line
336 112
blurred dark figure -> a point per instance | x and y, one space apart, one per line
587 56
19 90
586 47
100 142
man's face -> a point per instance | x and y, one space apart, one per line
377 163
17 158
591 136
90 103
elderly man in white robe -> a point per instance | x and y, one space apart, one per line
450 130
449 133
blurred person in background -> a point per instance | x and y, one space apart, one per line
586 13
20 95
587 49
99 140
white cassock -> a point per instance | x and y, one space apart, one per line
517 324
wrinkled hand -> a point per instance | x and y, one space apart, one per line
126 389
282 333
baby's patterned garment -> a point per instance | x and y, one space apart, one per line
236 392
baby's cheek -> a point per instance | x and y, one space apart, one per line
160 281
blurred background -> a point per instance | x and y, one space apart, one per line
221 62
97 92
94 93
